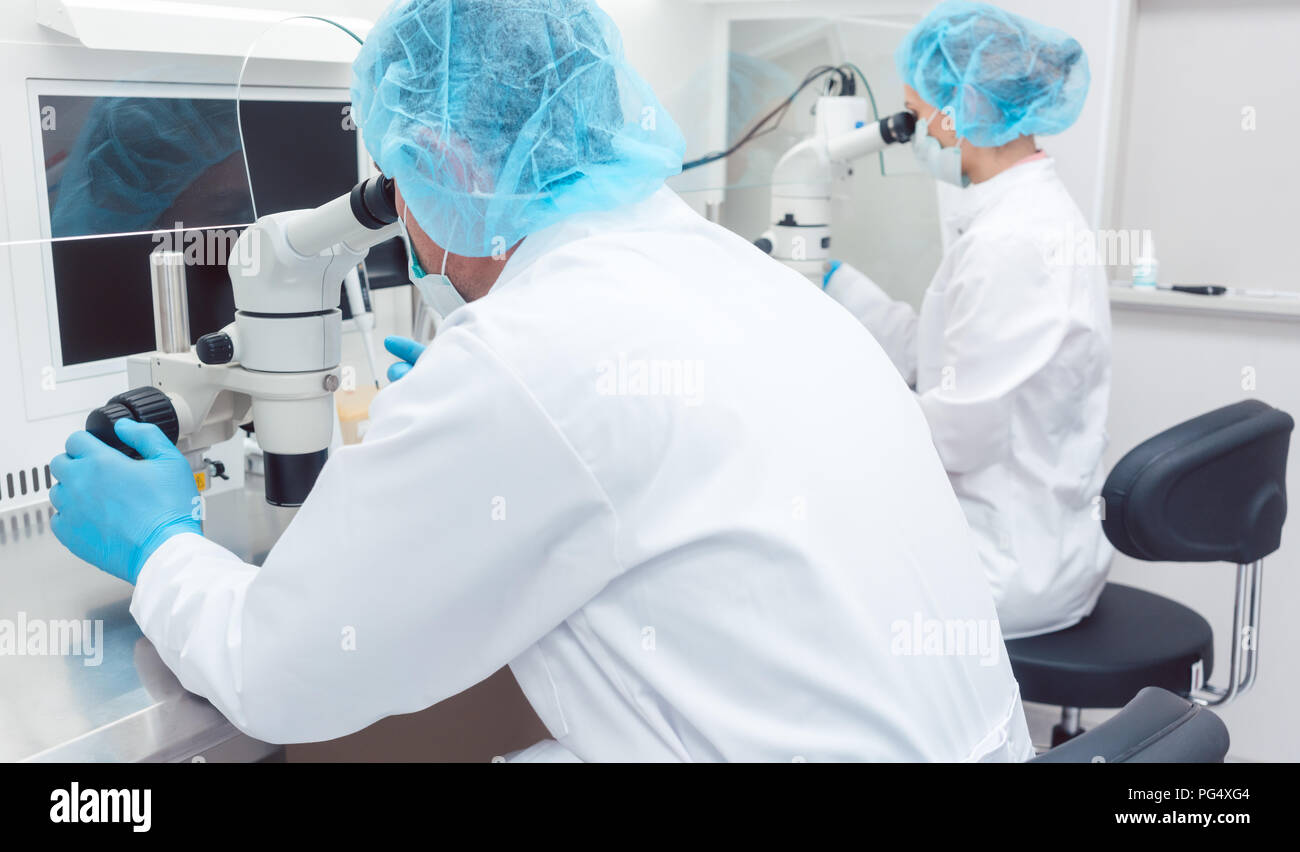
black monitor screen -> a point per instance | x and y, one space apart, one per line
170 171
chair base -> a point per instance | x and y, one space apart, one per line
1068 728
1060 734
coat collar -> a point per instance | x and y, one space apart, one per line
970 202
661 203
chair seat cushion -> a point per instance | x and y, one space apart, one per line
1133 639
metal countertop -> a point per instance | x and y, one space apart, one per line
115 700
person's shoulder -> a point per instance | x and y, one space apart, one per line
1027 226
566 311
1004 244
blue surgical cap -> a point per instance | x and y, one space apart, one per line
498 118
134 157
1003 76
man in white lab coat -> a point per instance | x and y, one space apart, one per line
1010 352
681 493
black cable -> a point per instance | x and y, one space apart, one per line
757 130
847 85
779 111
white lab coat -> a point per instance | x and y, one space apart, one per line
680 492
1010 357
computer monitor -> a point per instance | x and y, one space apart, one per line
125 174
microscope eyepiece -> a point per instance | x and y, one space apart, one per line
898 127
373 202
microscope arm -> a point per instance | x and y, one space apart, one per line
800 235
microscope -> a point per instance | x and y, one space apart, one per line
800 234
277 364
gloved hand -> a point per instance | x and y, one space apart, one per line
831 266
114 511
406 349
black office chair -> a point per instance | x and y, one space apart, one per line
1208 490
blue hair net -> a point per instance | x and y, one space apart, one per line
134 157
1004 76
500 117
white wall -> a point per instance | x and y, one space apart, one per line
1221 202
1219 197
666 41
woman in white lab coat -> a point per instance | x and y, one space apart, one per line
686 544
1010 352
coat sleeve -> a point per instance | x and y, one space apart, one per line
891 322
462 530
1006 313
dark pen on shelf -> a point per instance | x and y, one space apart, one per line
1195 289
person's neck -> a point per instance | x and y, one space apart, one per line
473 277
991 162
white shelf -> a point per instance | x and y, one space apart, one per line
1127 297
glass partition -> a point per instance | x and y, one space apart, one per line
758 101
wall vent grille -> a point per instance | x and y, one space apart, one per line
24 486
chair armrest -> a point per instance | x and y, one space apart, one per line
1155 727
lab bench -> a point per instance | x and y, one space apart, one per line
125 705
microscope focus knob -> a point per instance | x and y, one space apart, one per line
215 348
142 404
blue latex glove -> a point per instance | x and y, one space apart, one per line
114 511
831 266
406 349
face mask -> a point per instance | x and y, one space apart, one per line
943 163
437 291
415 270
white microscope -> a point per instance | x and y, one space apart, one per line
277 364
800 235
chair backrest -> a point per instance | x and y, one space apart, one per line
1155 727
1210 489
